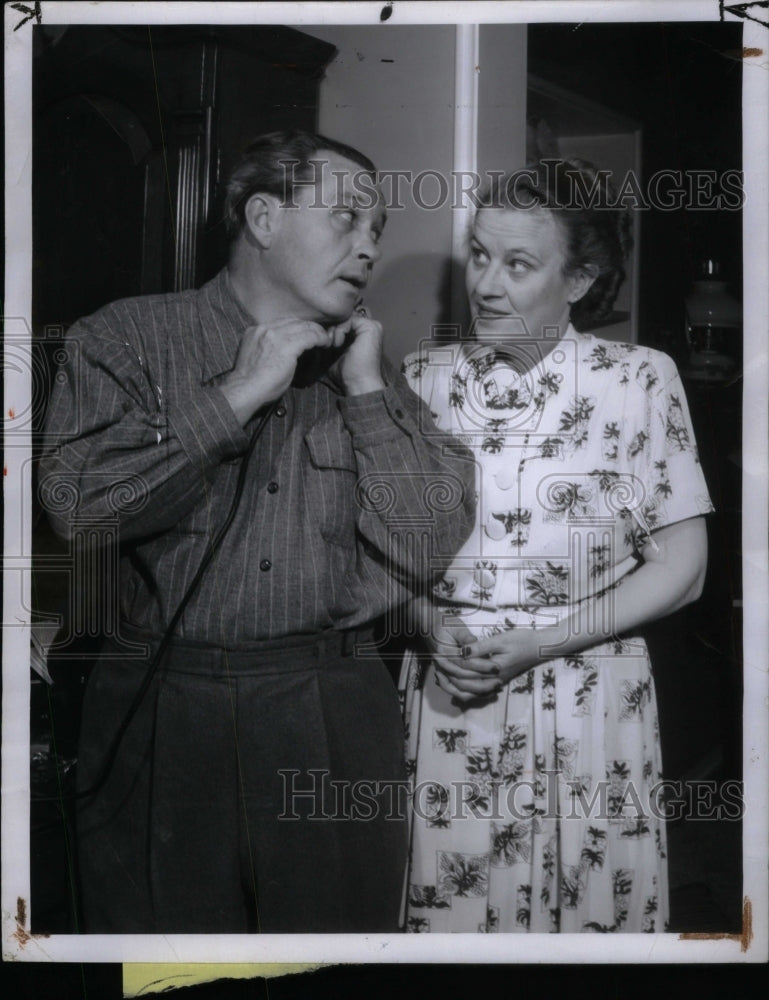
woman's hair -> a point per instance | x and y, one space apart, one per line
273 164
596 228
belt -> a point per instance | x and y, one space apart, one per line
292 652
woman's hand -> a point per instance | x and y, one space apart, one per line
473 670
445 636
504 656
670 577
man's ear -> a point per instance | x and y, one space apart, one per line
262 219
580 283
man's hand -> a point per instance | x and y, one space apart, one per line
360 367
267 359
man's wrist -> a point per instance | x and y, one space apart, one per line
243 400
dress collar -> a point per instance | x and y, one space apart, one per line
521 355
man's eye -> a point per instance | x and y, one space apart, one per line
348 214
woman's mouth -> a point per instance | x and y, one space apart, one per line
487 312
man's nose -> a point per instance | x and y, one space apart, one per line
366 247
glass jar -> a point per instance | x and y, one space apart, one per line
713 326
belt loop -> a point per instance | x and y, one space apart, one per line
221 663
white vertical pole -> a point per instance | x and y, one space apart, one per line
755 498
466 71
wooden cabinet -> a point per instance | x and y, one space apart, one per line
134 131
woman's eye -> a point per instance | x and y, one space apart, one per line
348 215
477 255
518 266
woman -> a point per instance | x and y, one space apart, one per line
532 725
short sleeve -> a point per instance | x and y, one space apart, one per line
667 463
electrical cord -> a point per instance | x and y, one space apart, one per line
157 659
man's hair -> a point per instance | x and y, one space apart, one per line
273 164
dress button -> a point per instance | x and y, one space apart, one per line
494 528
272 487
264 565
280 411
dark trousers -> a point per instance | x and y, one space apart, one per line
256 790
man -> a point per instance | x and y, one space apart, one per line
246 780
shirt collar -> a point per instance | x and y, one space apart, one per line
223 321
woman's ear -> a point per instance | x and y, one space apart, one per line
262 219
580 283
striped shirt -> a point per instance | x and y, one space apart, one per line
349 503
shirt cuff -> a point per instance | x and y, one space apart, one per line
374 417
206 426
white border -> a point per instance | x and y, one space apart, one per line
403 948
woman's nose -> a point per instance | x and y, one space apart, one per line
487 282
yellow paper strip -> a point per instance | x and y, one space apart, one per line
142 980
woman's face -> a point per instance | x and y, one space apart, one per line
515 276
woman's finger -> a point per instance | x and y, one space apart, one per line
464 695
471 685
483 647
446 685
480 664
457 669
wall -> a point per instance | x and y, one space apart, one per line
390 92
619 153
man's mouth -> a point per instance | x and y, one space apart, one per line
355 280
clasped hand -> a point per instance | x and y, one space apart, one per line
471 669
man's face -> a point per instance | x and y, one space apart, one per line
324 249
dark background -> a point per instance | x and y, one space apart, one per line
620 982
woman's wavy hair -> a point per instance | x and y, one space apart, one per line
596 228
274 163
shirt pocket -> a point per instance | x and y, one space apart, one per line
330 483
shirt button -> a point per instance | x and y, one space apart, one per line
272 487
264 565
280 411
399 413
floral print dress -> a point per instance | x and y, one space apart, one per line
540 809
